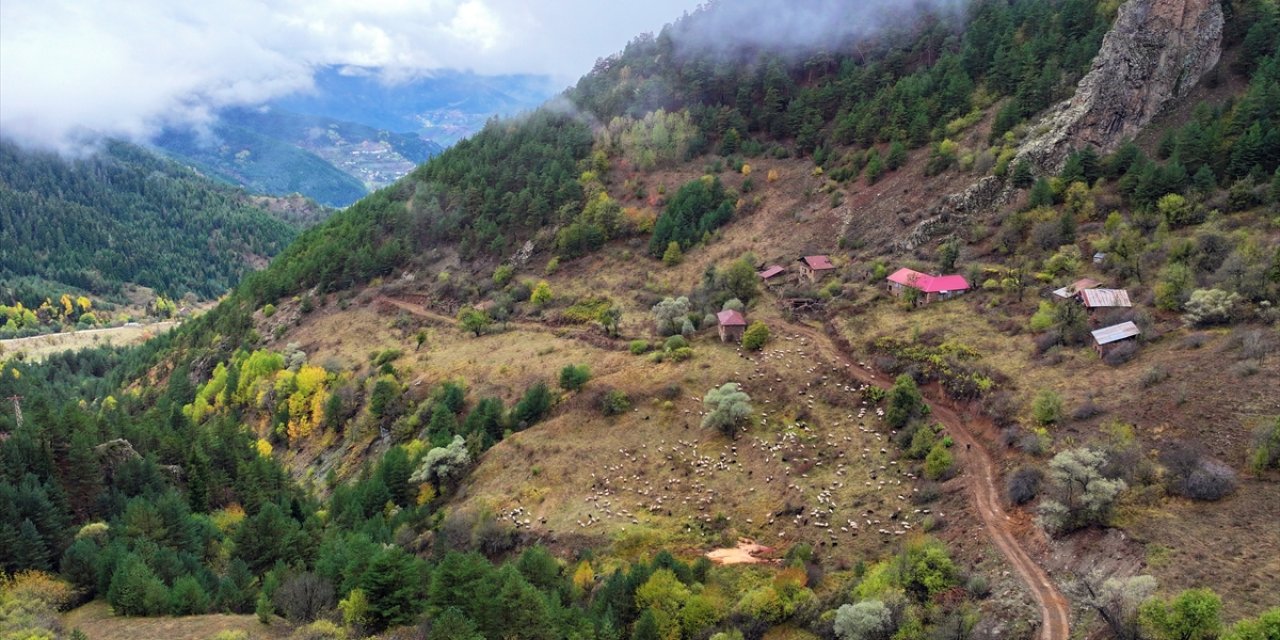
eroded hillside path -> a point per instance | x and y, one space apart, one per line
980 475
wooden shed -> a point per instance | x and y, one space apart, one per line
1104 299
1107 338
732 325
815 267
1076 287
772 274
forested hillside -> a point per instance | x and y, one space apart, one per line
282 153
124 215
504 396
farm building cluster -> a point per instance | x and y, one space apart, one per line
1095 298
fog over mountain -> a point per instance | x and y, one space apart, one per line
71 71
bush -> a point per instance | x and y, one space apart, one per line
1047 408
319 630
866 620
639 347
755 336
675 342
614 402
1024 484
727 408
1265 453
1210 306
573 377
503 274
939 464
978 586
1153 376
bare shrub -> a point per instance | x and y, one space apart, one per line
929 491
1190 474
1121 353
1153 376
1087 409
1009 436
1033 444
303 597
1047 340
1002 407
1024 484
1194 340
1212 480
1254 345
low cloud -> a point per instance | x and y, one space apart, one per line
71 70
737 26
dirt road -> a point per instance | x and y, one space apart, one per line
38 347
981 477
442 319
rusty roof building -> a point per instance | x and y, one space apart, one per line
1099 298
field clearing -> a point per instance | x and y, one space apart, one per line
37 348
809 467
98 623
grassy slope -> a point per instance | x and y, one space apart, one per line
97 623
547 470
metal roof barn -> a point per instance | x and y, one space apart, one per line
1115 333
1105 298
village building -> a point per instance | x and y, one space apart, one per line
1104 299
772 274
1108 338
732 325
815 268
931 287
1076 287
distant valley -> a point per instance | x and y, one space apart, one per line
353 134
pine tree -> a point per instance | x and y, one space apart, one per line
452 625
392 585
135 590
646 627
1022 176
29 550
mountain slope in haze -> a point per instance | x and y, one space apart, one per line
353 133
492 397
277 152
125 215
443 107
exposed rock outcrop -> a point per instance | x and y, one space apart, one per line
983 195
1155 52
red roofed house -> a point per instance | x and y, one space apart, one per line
815 267
732 325
770 274
933 287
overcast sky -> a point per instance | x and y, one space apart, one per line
127 68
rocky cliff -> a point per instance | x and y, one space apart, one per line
1156 51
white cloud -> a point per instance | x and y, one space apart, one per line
128 68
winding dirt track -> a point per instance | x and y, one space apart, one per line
981 477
